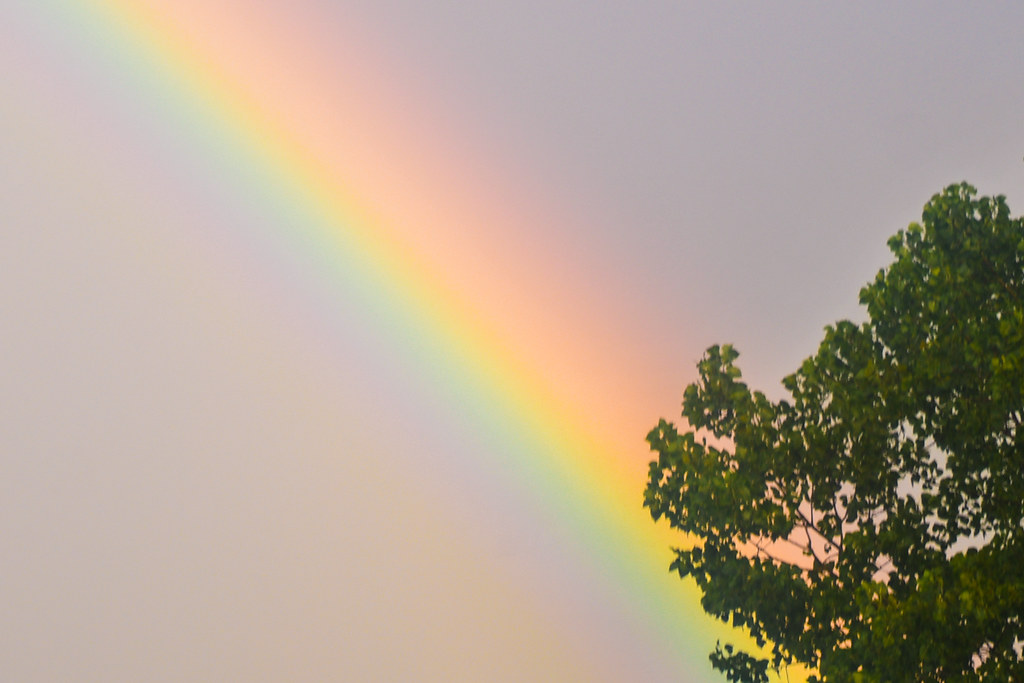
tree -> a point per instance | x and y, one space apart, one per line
871 525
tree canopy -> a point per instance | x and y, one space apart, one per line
871 525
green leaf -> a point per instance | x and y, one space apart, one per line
899 441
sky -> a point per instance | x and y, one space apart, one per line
332 330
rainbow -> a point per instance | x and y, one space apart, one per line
255 124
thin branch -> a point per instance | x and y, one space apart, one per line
767 553
842 520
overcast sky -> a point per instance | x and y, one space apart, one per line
210 469
739 166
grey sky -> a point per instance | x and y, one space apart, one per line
739 163
172 459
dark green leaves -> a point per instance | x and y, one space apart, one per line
739 666
834 526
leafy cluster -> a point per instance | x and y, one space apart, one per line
871 526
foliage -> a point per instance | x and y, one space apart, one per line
871 526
